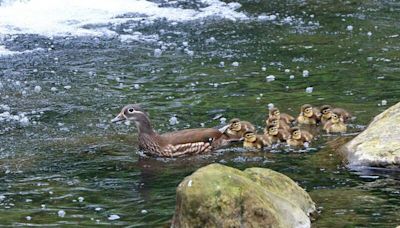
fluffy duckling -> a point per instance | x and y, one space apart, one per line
281 124
308 115
238 127
298 137
275 134
251 140
286 118
335 124
327 110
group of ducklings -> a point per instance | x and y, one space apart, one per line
284 128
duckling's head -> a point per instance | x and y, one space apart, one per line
273 121
273 130
131 112
307 110
250 136
336 118
235 124
274 112
326 111
295 133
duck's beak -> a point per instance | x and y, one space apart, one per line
118 118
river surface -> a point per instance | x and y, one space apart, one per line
67 67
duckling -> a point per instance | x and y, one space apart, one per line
286 118
251 140
281 124
275 134
298 137
238 127
335 124
308 115
326 112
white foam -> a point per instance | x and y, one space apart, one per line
74 17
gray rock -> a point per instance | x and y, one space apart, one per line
379 144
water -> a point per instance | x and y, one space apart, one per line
90 59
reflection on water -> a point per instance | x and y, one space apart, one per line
63 163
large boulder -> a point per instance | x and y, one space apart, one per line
379 144
220 196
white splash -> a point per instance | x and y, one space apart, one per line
75 17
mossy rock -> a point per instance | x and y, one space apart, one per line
379 144
220 196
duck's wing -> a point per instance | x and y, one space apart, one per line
191 136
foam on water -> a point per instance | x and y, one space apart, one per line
75 17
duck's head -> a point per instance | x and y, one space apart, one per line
273 121
235 125
295 133
274 112
307 110
132 112
250 136
272 130
336 118
326 111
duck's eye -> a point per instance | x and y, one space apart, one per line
131 110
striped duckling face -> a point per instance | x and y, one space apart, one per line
326 111
275 113
235 125
273 130
295 133
335 118
307 110
130 112
250 136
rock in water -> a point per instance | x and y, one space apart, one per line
379 144
220 196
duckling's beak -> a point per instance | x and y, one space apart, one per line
120 117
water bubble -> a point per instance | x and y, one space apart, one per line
270 78
53 89
221 64
173 120
222 120
43 206
113 217
270 106
67 87
185 43
306 73
136 86
369 33
2 197
291 77
309 89
287 70
263 68
349 28
211 40
144 211
80 199
61 213
98 209
157 53
29 218
384 102
235 64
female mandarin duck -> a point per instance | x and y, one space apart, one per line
308 115
173 144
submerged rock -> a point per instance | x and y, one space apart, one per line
379 144
220 196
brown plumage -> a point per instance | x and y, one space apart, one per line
238 127
281 124
298 137
286 118
275 134
335 124
327 110
172 144
308 115
251 140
